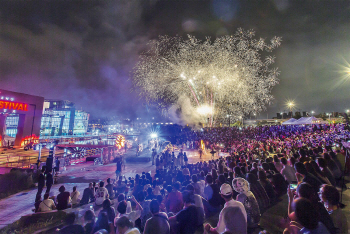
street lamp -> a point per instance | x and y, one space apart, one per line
329 115
312 113
290 105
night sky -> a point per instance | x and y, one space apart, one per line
84 51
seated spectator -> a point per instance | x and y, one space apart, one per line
238 216
125 226
145 212
110 189
162 207
159 221
288 172
75 196
305 219
70 227
150 195
88 195
304 190
133 215
121 197
63 199
108 209
247 198
103 223
259 192
325 170
303 176
47 204
270 191
89 218
188 220
174 201
212 194
330 197
333 166
101 194
198 200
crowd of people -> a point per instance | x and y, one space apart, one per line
263 164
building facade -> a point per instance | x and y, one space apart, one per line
20 117
60 118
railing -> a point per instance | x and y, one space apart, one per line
18 161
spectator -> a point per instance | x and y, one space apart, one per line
110 189
330 197
49 181
47 204
325 170
174 201
303 176
247 198
108 210
125 226
88 195
270 191
305 190
239 215
103 223
288 172
101 194
159 221
41 182
75 196
133 215
63 199
259 192
305 218
187 221
70 227
145 212
89 218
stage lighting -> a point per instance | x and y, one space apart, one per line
154 135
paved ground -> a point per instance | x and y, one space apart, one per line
17 205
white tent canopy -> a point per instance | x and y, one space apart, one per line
289 121
304 120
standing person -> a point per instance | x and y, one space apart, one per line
159 221
288 172
185 159
41 183
57 168
154 153
101 194
49 181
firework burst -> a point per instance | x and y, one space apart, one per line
223 77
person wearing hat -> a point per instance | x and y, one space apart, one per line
241 227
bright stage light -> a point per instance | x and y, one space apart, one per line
154 135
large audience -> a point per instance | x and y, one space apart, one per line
262 165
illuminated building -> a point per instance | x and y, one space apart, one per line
20 116
61 118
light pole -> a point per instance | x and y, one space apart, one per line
329 115
312 113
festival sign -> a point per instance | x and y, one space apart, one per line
13 106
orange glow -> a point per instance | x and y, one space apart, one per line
28 139
120 141
202 145
0 141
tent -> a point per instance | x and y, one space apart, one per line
289 121
308 120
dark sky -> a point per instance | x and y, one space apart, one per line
84 50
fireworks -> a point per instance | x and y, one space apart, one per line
220 78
